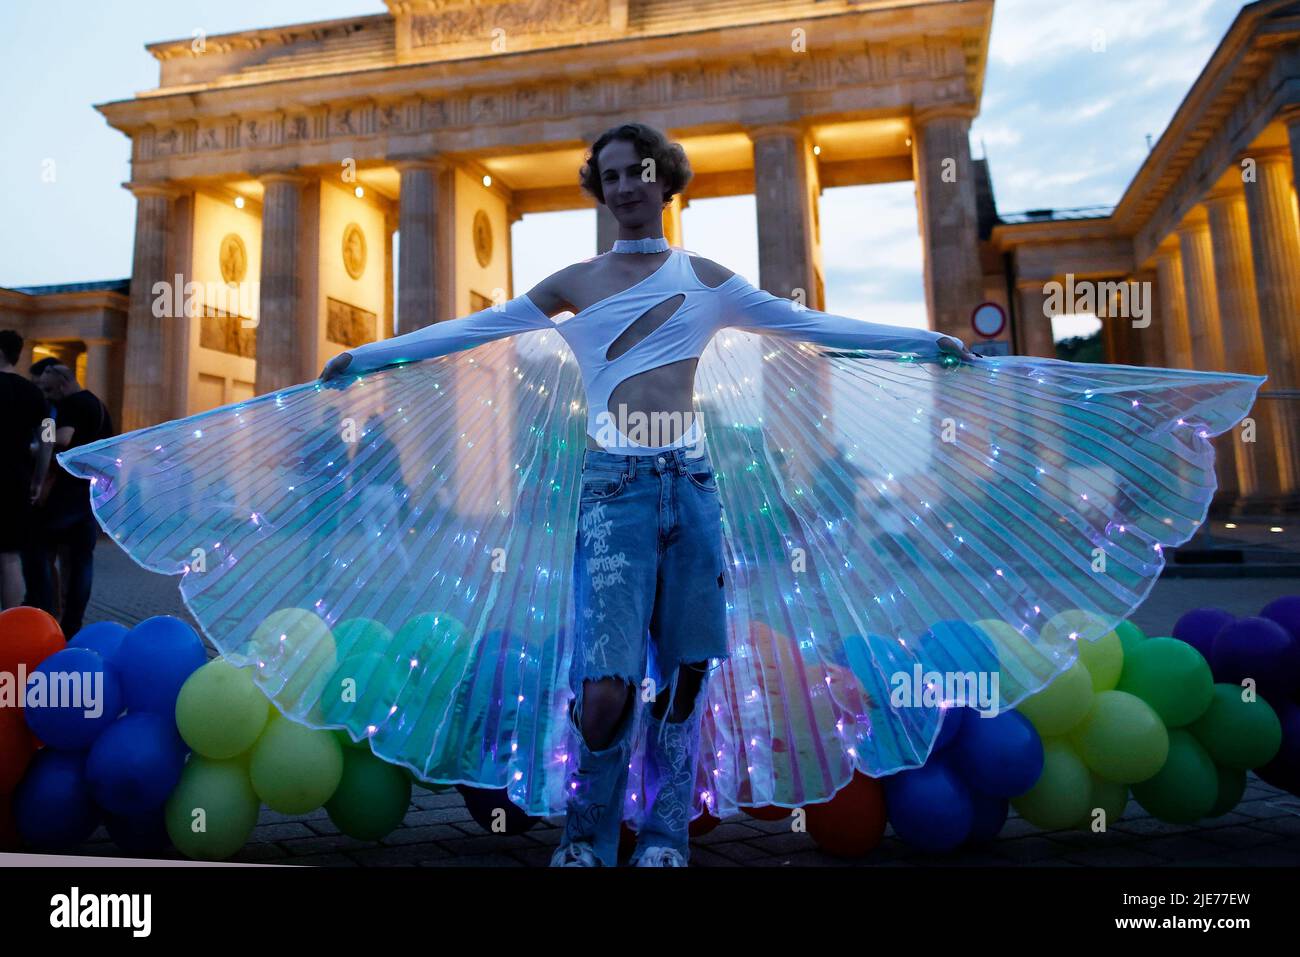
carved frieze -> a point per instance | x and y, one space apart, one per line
940 65
489 22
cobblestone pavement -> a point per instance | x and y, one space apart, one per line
438 830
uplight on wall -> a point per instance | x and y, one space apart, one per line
487 180
360 191
239 202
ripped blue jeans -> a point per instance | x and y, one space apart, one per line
650 578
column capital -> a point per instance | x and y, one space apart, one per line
434 164
1271 155
1289 113
1196 221
282 176
158 188
1169 248
763 130
1225 196
963 111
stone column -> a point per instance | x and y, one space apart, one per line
1034 335
1173 307
1148 347
1275 246
281 342
1200 295
1202 302
99 368
1275 251
673 220
785 198
945 181
146 396
420 301
1261 474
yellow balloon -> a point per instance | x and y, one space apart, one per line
1122 738
295 658
1063 794
1101 652
1061 705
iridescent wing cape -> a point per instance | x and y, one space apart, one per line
392 554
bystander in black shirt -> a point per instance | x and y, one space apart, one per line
22 410
88 417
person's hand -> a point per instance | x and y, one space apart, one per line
336 367
954 347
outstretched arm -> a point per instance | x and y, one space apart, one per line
754 310
495 322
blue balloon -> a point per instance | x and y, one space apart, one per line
71 697
930 807
136 763
140 834
1286 612
952 721
1001 756
103 636
52 806
990 816
156 657
1198 629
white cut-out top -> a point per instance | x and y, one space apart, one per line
703 311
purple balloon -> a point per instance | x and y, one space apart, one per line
1261 649
1198 629
1286 612
1284 770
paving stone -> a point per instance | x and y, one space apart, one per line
405 855
421 835
1289 826
736 831
1177 847
706 857
742 851
323 844
491 844
1239 837
280 832
443 815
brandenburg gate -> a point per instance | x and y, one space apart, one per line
271 168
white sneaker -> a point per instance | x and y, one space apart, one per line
577 854
655 856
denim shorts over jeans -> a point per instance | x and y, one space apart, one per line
650 579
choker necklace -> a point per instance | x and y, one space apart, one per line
652 244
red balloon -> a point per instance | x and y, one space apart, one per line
852 822
768 812
27 637
16 749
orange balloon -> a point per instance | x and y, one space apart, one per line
27 637
852 822
16 748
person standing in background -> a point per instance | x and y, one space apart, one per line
23 462
67 523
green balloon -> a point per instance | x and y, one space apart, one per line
1238 734
1062 704
1185 789
1232 785
1121 738
371 799
295 769
1062 796
220 711
1130 636
212 811
1107 804
1172 677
